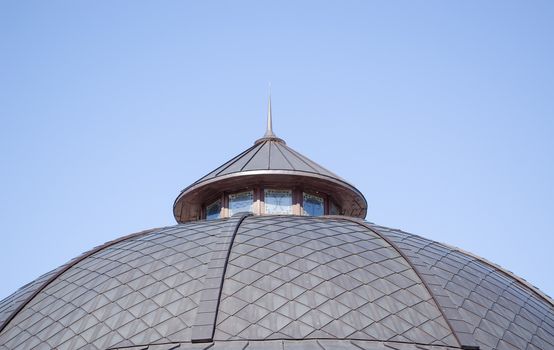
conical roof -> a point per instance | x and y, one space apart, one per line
270 154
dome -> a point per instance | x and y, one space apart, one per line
272 281
257 279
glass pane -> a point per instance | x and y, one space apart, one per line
213 211
312 205
278 201
240 202
334 209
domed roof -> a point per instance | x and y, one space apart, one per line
277 282
304 280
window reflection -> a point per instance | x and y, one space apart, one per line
240 202
213 211
275 202
333 209
312 205
278 201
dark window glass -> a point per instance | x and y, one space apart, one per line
213 211
312 205
333 209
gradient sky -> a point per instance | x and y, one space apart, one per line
440 112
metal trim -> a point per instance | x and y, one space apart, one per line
203 328
490 264
416 270
342 183
503 271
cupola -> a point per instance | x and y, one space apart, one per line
269 178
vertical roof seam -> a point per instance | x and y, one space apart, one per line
502 271
269 156
486 262
329 172
414 268
301 159
205 322
231 162
286 159
224 166
260 146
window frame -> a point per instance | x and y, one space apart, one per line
259 206
313 194
292 200
228 197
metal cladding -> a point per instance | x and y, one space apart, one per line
277 282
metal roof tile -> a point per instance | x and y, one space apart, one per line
287 277
488 300
320 300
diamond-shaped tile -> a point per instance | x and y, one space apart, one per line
492 304
331 275
141 289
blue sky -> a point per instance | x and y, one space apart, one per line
440 112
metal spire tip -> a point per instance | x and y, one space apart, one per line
269 132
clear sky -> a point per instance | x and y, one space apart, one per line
440 112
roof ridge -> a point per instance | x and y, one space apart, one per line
205 321
223 166
502 270
485 261
299 157
461 337
286 159
308 160
234 160
261 145
269 156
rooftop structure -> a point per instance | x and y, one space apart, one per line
269 178
271 251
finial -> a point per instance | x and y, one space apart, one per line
269 131
269 134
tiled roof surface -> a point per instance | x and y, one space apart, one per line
141 290
310 344
276 282
321 278
9 305
500 312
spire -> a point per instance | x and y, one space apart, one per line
269 132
